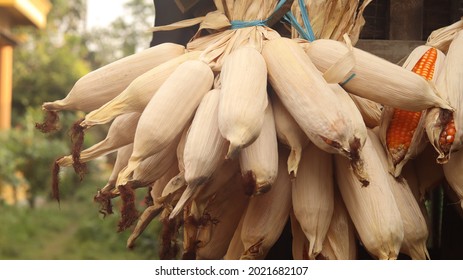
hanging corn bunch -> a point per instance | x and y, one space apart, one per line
244 129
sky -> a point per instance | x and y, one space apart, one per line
102 12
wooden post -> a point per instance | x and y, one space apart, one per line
406 20
6 82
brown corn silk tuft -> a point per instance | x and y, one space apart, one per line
103 198
129 213
50 123
55 181
77 139
404 123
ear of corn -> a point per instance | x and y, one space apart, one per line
300 244
243 98
405 90
266 216
312 197
441 38
225 216
289 133
304 92
340 242
414 223
169 111
120 133
373 209
259 161
101 85
138 93
444 128
402 132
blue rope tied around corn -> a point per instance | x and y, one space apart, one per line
307 32
236 24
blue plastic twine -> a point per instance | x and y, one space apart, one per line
236 24
306 33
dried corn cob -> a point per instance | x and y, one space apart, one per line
138 93
101 85
169 111
405 90
340 242
304 92
414 223
444 128
259 161
402 131
373 210
288 133
243 98
266 216
312 197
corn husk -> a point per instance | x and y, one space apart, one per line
454 175
312 197
340 241
398 158
138 93
289 133
259 161
442 37
290 73
370 111
405 90
373 209
414 223
299 243
243 98
266 216
103 84
235 248
169 111
450 83
120 133
225 210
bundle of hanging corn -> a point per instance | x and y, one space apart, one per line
246 129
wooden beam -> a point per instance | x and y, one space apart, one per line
406 20
6 82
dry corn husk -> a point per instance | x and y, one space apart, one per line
266 216
442 37
290 73
454 175
340 242
333 19
289 133
138 93
300 244
414 223
205 148
450 83
154 210
120 133
225 209
405 90
235 248
312 197
243 98
371 111
398 158
373 209
259 161
169 111
103 84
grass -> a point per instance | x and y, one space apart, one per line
73 230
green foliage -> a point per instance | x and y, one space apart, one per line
74 230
